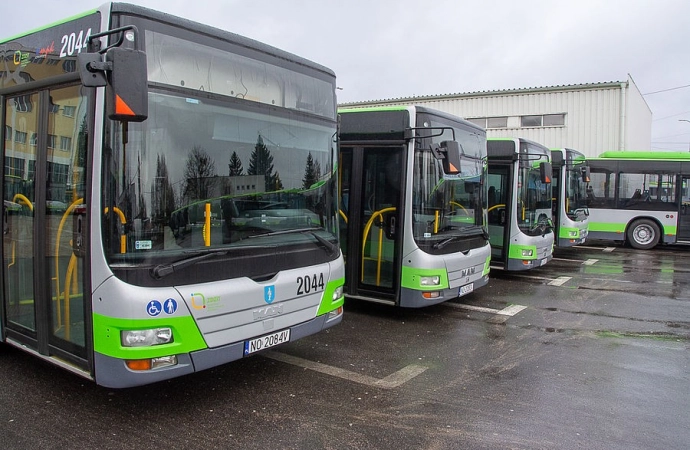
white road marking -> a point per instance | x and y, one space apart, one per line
511 310
590 262
609 249
393 380
507 311
560 281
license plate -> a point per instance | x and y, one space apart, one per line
466 289
267 341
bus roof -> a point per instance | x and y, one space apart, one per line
136 10
659 156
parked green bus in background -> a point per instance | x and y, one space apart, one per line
640 198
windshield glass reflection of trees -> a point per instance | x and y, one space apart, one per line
446 206
257 173
533 196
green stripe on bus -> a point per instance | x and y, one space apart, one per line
515 251
54 24
106 336
328 304
410 278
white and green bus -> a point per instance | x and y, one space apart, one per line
568 185
169 196
413 215
519 195
641 198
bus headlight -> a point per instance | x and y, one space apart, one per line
527 252
430 281
337 293
146 338
573 233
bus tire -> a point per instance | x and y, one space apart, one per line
643 234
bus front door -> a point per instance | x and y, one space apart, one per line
44 151
371 225
684 218
499 216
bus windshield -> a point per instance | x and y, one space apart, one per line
443 205
533 196
575 191
211 169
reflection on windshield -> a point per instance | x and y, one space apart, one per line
199 175
533 198
575 191
446 205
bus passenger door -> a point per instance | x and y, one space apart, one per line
499 217
372 235
684 217
44 306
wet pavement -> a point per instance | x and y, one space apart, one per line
590 351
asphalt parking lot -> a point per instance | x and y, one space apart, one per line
590 351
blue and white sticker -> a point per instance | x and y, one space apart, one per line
269 294
154 308
170 306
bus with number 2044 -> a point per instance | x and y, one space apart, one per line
169 196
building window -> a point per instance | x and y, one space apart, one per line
530 121
14 167
34 139
8 133
497 122
20 137
554 120
65 143
68 110
51 140
479 121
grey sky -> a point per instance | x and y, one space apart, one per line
389 49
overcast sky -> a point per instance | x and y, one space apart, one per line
382 49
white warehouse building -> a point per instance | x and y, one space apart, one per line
591 118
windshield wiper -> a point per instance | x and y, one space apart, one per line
163 270
328 245
473 231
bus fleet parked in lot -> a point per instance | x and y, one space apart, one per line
132 255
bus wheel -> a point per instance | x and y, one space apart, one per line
643 234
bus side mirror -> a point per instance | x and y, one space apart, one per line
127 98
124 74
585 174
545 172
449 154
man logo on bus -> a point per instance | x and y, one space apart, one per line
198 301
269 294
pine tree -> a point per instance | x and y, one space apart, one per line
235 165
261 163
310 173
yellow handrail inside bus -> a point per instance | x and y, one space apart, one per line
123 221
462 207
23 199
342 214
380 247
500 205
65 215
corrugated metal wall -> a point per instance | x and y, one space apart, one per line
592 114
